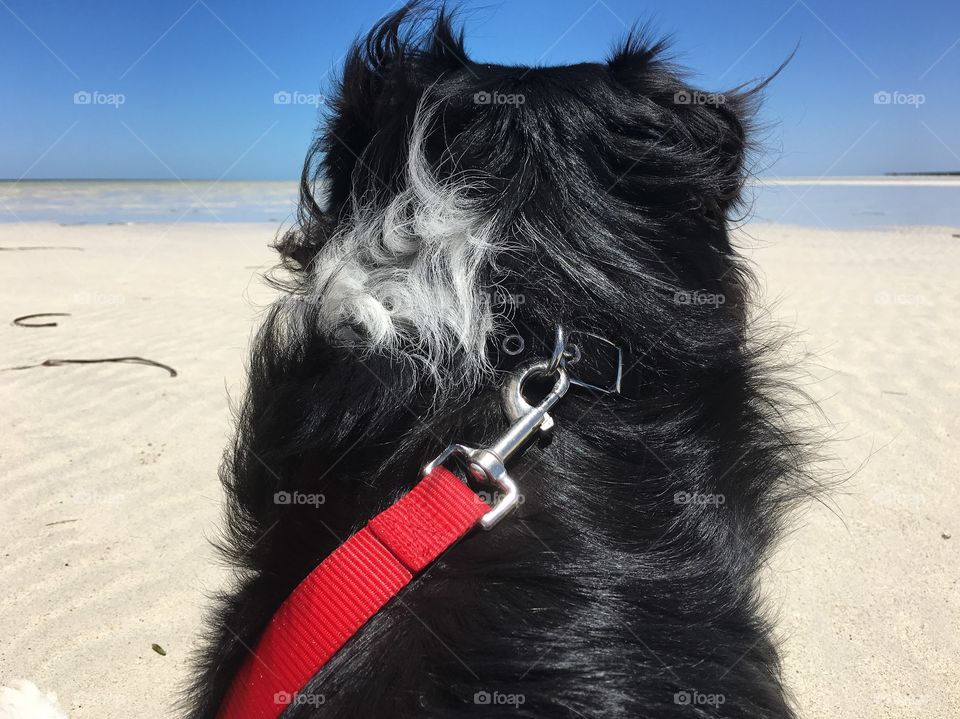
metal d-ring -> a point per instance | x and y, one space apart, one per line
516 405
559 348
488 464
563 354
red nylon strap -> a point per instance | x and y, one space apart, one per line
338 597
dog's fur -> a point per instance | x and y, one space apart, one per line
603 203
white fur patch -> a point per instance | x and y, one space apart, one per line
24 701
407 277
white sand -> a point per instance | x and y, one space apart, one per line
867 586
109 486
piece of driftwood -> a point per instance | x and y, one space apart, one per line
19 321
130 360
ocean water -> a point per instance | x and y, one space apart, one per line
857 203
837 203
73 202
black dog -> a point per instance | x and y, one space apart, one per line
466 205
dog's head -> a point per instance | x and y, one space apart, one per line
447 200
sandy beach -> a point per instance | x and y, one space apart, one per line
108 472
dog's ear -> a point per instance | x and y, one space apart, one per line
385 76
638 54
362 147
719 128
704 135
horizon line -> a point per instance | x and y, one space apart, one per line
932 173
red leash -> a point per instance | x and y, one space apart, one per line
351 585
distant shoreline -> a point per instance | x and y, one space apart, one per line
922 174
944 179
175 180
836 202
888 178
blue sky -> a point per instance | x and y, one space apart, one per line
197 79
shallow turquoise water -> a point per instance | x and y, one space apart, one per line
857 206
876 202
115 201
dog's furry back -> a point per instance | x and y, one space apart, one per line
619 588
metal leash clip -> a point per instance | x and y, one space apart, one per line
487 464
